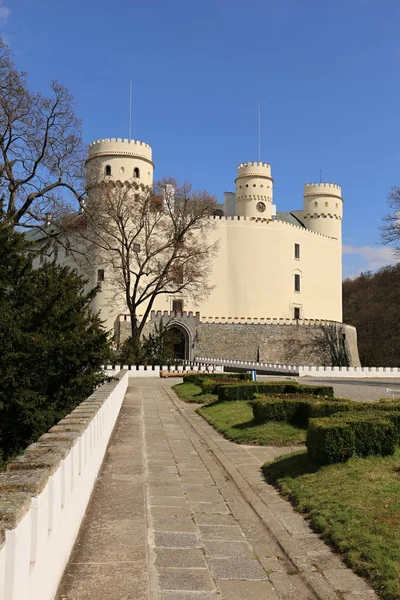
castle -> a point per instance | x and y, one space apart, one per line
277 275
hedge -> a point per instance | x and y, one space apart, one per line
197 378
246 391
336 439
296 410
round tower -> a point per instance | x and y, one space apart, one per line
127 161
254 190
323 208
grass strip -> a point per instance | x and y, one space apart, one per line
190 392
234 419
355 506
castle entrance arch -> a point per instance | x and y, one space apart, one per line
178 341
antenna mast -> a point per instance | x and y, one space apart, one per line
259 131
130 109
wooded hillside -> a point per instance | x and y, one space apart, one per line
371 302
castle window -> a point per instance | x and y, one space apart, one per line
337 206
100 275
136 173
177 306
297 251
296 312
326 204
247 185
254 185
107 170
316 204
122 169
296 282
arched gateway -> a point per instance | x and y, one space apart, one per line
178 341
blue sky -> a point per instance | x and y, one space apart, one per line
327 75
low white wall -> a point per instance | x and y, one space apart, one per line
41 528
350 372
149 371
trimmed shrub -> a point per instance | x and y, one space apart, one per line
197 378
359 433
296 410
280 408
246 391
210 386
330 441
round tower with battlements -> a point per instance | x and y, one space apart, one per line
254 190
323 208
116 159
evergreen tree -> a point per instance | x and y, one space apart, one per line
51 346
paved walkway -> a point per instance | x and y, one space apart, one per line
180 513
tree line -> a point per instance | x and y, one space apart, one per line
371 302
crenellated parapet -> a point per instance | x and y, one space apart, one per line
265 321
315 189
116 146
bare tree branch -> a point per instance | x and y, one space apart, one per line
41 149
153 242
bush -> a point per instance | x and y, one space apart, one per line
330 441
288 409
246 391
297 409
197 378
336 439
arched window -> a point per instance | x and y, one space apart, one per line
136 172
316 204
107 170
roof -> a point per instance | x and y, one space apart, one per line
289 217
73 221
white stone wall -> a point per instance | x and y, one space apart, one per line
35 552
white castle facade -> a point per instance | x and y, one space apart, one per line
276 274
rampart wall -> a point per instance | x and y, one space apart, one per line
281 341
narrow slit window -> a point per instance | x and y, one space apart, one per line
100 275
297 251
108 170
297 313
296 282
136 173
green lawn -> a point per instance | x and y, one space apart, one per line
356 508
235 421
189 392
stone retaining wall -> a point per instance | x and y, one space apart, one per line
287 344
45 492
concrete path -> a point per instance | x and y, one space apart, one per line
180 513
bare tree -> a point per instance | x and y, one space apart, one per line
154 241
390 230
41 149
